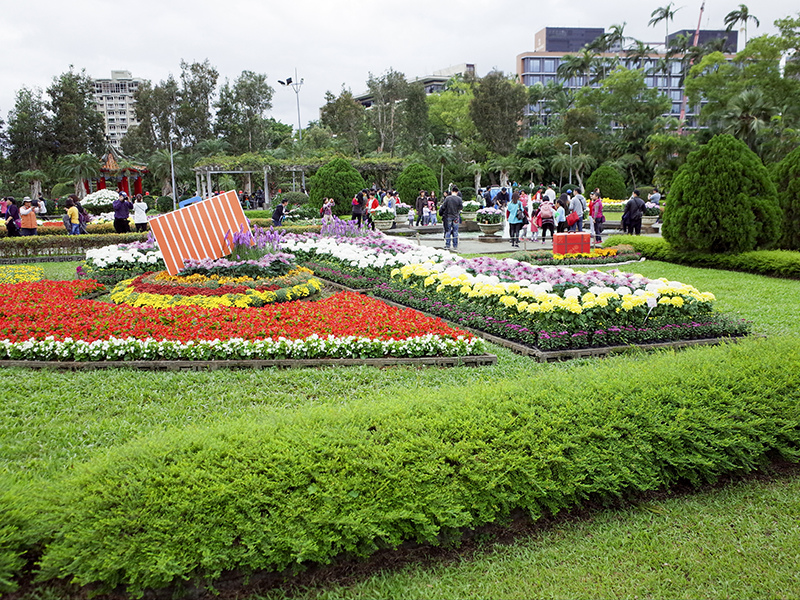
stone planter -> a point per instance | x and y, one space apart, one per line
469 216
383 225
490 228
649 221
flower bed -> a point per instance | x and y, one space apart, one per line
15 274
161 290
598 256
47 321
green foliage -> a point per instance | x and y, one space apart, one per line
294 198
60 244
312 484
415 177
61 189
164 204
497 109
339 180
722 200
787 181
610 182
774 263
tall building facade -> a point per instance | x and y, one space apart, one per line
552 44
114 100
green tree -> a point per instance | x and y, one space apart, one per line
241 112
787 181
666 152
28 135
666 14
387 92
505 166
196 96
415 133
449 113
77 126
746 116
79 168
155 110
160 166
345 117
34 178
415 177
722 200
337 179
609 181
497 111
741 15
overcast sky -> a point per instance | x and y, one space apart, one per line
330 43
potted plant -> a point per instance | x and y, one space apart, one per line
383 217
651 213
490 220
470 208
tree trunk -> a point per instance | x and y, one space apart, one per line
477 181
36 188
504 178
80 190
580 180
166 187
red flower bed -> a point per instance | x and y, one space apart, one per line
50 308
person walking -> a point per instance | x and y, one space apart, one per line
632 214
577 204
547 213
420 203
560 216
596 214
12 217
450 212
514 215
72 218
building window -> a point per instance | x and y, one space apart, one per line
676 108
532 65
675 95
550 65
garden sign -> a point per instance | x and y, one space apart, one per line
199 231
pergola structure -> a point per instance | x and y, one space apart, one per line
118 168
203 175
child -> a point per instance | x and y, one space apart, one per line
426 215
411 216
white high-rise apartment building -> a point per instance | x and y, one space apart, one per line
114 100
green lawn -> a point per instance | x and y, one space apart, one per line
739 541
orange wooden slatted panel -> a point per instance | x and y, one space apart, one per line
198 230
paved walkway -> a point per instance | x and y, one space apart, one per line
468 242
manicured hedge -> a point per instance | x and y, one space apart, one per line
775 263
317 482
62 245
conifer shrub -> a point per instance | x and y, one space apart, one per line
337 179
787 181
415 177
308 485
610 182
722 200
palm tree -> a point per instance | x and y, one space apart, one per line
442 155
160 167
560 162
574 65
531 165
34 178
666 14
746 115
80 168
740 16
638 52
503 164
476 169
582 163
212 147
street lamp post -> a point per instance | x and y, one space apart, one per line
570 158
296 85
172 170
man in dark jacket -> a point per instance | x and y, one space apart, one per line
419 206
450 211
279 213
632 214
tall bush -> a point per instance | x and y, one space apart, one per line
610 182
722 200
787 181
415 177
337 179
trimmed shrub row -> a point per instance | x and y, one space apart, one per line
774 263
63 245
311 484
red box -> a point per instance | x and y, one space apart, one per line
572 243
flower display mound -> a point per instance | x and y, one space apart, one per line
597 256
160 289
47 321
556 308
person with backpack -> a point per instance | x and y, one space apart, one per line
450 212
547 216
515 215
